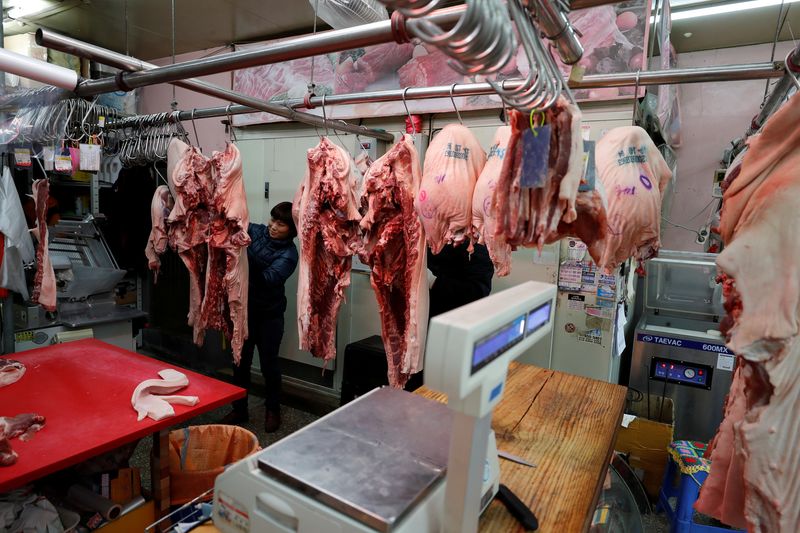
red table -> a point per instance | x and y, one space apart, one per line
84 390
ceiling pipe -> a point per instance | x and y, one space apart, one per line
286 50
72 46
35 69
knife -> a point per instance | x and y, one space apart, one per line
514 458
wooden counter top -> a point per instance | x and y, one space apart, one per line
564 424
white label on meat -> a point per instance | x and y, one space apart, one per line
725 362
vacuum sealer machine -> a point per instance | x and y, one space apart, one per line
392 460
678 351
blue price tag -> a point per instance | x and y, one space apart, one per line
535 155
589 171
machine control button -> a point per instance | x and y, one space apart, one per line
689 373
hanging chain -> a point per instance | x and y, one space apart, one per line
311 85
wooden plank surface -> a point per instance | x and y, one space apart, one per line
564 424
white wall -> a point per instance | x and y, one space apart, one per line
712 114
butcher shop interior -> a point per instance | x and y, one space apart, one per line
399 266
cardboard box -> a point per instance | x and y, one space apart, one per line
646 441
126 486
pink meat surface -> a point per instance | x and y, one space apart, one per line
10 371
279 80
428 70
160 208
190 220
535 216
225 301
393 245
23 426
760 213
377 62
444 202
634 175
325 211
483 218
44 281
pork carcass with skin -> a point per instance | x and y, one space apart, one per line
44 281
444 203
761 285
190 220
225 301
535 215
483 217
325 211
634 175
22 426
393 246
157 242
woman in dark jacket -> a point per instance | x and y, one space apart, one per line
272 257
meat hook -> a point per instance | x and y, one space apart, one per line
410 121
453 101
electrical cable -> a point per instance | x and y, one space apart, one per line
778 27
663 395
174 104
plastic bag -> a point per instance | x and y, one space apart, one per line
342 14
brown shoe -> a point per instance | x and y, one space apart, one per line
272 421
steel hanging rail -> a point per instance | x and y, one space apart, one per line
286 50
69 45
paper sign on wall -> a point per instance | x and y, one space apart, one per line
22 157
575 302
569 276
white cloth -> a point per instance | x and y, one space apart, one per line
18 247
25 512
146 403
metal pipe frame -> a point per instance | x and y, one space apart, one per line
657 77
287 50
69 45
779 92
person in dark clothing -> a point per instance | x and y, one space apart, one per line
272 258
459 277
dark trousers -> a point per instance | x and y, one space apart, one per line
265 333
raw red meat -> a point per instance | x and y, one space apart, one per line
160 208
10 371
190 219
393 245
483 218
428 70
452 164
44 282
761 211
634 174
377 62
22 426
535 216
325 211
225 300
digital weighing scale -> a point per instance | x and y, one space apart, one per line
392 461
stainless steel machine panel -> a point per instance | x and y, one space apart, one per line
694 370
371 460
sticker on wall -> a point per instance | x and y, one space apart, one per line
569 276
569 328
589 337
576 249
726 362
576 302
600 312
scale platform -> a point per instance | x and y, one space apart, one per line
372 460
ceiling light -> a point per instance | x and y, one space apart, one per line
727 8
688 34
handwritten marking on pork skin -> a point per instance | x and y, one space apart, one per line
487 205
440 178
646 182
423 195
427 210
625 191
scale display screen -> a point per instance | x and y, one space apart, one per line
538 318
496 343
